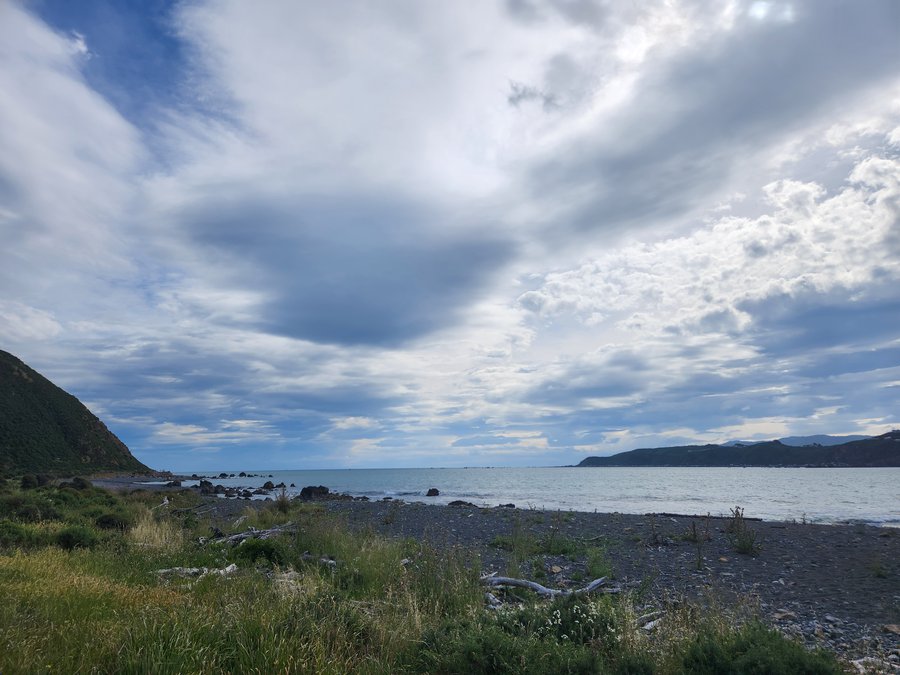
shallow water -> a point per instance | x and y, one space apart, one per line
816 495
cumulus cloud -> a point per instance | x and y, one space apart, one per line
411 233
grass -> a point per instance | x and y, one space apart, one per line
386 606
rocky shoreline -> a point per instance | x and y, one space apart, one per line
830 586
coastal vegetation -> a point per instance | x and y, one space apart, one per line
99 582
44 429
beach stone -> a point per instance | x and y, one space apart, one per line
892 628
432 492
784 615
314 492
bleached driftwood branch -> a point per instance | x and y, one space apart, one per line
252 533
596 586
197 571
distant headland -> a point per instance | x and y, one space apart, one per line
878 451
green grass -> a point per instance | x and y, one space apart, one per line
81 597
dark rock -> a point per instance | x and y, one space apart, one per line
506 506
195 476
223 475
281 485
269 485
314 492
292 485
219 490
242 474
432 492
173 483
260 491
460 502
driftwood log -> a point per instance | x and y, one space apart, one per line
197 571
252 533
596 586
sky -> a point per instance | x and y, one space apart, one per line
297 235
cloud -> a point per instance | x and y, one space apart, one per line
349 270
697 117
340 234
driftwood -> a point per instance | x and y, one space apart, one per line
197 571
252 533
328 562
596 586
650 621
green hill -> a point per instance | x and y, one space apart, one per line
881 451
43 429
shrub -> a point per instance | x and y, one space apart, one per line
13 534
476 648
80 483
113 521
29 481
742 538
252 550
755 649
76 536
282 501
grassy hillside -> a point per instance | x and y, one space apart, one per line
881 450
43 429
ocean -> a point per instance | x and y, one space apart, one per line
814 495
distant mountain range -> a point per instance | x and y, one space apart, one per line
43 429
877 451
800 441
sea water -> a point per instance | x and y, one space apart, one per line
814 495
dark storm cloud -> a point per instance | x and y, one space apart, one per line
698 115
348 270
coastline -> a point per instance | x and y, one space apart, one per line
834 586
829 585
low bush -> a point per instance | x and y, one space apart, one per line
14 535
76 536
112 520
754 649
267 551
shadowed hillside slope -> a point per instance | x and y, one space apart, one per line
43 429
